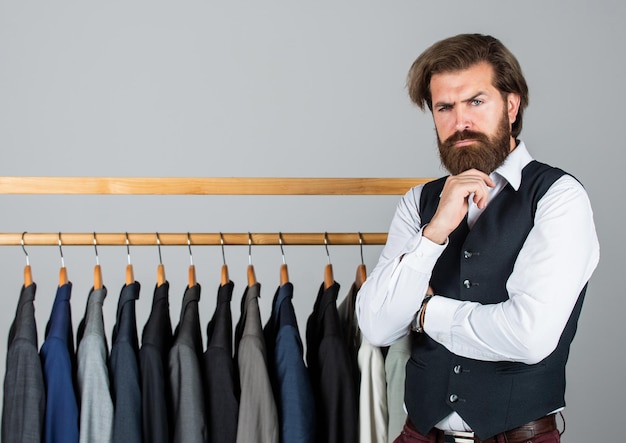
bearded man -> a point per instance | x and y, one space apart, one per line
486 268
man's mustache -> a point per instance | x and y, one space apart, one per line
464 135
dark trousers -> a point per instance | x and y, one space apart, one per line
410 435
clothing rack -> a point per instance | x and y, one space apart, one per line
199 186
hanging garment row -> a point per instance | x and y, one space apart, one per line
251 383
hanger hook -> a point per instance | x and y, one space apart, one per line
24 249
189 246
128 248
326 246
249 248
361 246
95 246
61 251
280 241
222 243
159 247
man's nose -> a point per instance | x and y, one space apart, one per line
462 121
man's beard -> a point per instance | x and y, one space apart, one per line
486 154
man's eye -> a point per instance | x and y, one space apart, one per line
476 102
444 108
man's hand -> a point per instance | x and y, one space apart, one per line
453 203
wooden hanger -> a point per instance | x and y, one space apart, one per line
361 273
160 269
63 276
97 272
192 276
28 276
130 275
97 277
329 279
63 272
251 276
284 272
192 268
161 274
225 277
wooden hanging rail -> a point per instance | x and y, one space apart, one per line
196 238
200 186
207 186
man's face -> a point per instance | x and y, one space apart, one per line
472 119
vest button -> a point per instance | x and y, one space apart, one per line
467 284
453 398
457 369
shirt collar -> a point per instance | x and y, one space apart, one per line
511 169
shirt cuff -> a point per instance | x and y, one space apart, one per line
438 319
421 254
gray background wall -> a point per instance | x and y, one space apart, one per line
280 89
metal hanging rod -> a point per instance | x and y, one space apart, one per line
182 238
207 186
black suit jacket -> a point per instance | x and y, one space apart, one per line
220 383
333 383
156 342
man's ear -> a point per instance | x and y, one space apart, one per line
512 106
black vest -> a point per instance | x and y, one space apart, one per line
490 396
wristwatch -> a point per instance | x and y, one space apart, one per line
418 325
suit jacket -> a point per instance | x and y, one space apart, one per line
369 369
59 365
185 375
372 394
290 378
124 369
156 342
24 391
258 418
221 386
96 405
351 331
395 371
331 372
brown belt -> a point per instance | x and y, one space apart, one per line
517 435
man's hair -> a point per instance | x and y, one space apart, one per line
462 52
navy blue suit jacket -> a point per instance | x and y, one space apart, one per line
290 377
124 369
59 366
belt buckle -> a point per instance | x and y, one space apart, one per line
458 437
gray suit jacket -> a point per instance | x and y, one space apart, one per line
96 406
24 392
185 373
258 416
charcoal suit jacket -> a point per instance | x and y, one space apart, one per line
24 391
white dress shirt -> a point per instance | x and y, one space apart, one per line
556 261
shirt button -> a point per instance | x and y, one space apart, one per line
453 398
467 284
457 369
